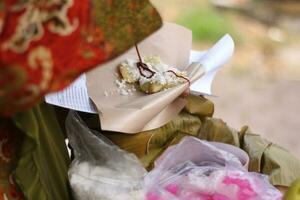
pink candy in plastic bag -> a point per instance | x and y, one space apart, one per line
214 183
212 178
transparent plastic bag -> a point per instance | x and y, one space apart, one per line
198 152
182 175
101 170
212 183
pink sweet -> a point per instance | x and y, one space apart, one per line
220 197
153 196
172 188
245 190
197 196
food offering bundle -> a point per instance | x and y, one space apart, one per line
144 88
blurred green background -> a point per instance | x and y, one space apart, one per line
260 86
205 22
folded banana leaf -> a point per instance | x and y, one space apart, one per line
41 171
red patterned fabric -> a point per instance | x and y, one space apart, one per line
45 44
10 142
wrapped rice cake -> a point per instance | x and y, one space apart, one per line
152 75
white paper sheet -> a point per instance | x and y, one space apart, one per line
75 97
212 60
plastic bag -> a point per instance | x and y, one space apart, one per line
198 152
100 169
213 174
212 183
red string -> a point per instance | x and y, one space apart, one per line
142 66
179 76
